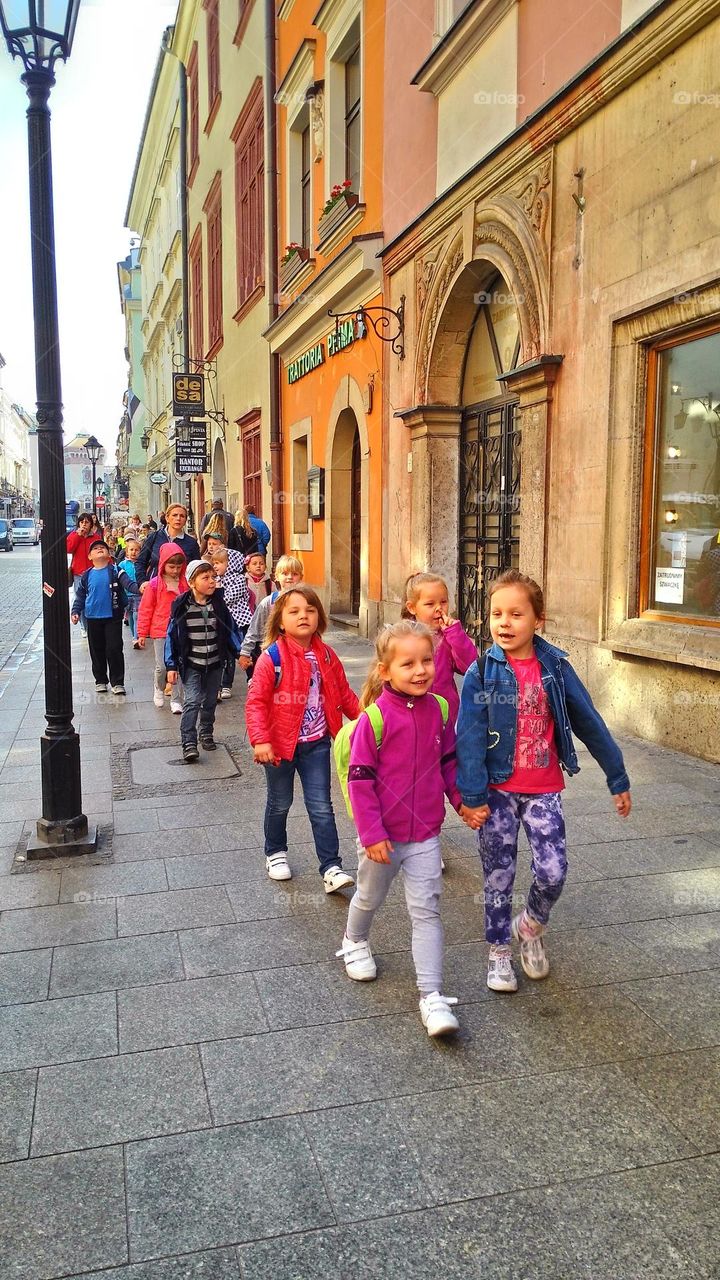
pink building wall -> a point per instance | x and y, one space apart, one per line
410 143
555 39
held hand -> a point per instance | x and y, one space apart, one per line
379 852
172 677
264 753
623 803
142 587
244 662
475 818
75 618
141 642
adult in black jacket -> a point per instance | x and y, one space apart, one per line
243 537
217 510
174 531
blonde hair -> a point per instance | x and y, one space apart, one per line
385 645
413 587
289 564
274 624
242 518
220 554
175 506
216 527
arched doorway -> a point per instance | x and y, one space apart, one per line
346 517
219 472
490 439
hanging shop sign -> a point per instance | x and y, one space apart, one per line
191 448
188 391
340 339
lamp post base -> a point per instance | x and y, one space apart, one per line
62 839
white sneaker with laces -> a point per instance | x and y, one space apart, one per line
176 707
101 688
359 963
500 975
118 688
225 693
532 948
277 866
335 878
158 698
437 1016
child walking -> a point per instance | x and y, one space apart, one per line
515 729
288 572
100 598
295 705
127 573
229 569
200 637
258 579
154 618
397 792
427 600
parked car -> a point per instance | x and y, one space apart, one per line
25 530
6 535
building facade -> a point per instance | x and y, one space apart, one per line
330 211
16 489
560 406
132 479
79 474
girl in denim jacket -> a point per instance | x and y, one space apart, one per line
514 739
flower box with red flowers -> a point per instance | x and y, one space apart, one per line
337 206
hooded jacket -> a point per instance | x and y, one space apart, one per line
235 590
78 546
149 558
274 713
397 791
156 602
453 655
177 644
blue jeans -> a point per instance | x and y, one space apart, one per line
312 762
132 612
201 691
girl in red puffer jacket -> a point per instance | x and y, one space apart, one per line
295 706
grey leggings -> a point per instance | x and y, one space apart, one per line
422 879
160 676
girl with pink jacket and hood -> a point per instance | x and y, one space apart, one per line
154 617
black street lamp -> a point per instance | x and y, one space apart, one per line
39 32
93 449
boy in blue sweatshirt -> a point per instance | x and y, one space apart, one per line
102 599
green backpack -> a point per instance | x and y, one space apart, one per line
341 745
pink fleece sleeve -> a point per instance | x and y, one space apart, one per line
448 766
362 784
462 648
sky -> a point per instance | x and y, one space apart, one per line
98 108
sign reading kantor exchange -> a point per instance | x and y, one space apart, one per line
343 336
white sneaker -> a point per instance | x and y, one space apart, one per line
437 1016
175 706
532 948
500 975
225 693
118 688
359 963
158 698
101 688
277 866
335 878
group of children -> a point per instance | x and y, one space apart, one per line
497 753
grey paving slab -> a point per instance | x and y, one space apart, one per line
119 962
640 857
83 884
158 765
62 1215
263 944
677 946
178 909
134 848
24 976
50 1031
51 926
17 1096
686 1088
173 1182
226 867
687 1005
217 1264
136 822
391 1152
109 1100
186 1012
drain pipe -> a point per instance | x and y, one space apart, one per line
276 448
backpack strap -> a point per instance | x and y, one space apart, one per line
273 652
274 596
444 707
374 715
481 663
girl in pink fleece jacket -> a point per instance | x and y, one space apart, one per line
397 792
427 600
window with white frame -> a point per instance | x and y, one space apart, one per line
353 98
342 24
300 229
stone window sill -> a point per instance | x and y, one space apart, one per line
690 645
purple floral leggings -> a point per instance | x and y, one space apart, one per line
542 818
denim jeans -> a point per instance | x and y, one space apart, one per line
133 609
312 763
201 691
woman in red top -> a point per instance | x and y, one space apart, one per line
78 545
295 706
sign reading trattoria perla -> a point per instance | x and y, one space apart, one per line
346 333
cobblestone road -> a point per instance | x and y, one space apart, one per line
20 596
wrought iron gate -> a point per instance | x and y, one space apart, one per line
489 506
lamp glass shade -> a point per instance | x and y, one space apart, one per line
39 31
93 448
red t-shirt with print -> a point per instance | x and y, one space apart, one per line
537 770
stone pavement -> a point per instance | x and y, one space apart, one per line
193 1090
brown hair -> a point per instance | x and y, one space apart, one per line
274 623
413 586
532 589
385 644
